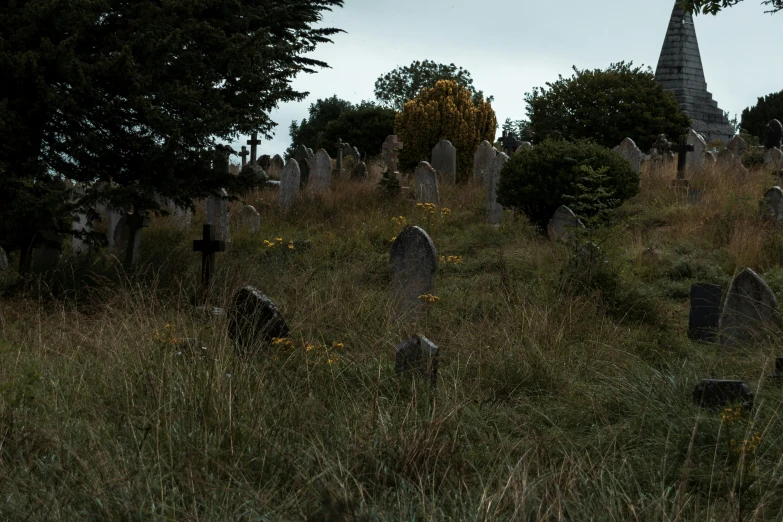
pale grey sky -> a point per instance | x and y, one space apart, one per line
511 46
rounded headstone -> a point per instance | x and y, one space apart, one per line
444 161
563 223
483 159
249 218
772 204
320 172
289 184
749 309
426 183
413 263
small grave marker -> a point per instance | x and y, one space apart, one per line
289 185
632 154
495 209
563 223
705 313
249 218
772 205
417 356
414 262
444 161
749 308
208 246
320 173
254 320
127 236
426 182
717 393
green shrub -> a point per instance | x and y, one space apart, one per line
538 180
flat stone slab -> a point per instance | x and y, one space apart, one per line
718 393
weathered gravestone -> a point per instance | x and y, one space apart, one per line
773 135
114 218
254 142
632 154
244 154
249 218
417 356
265 162
563 223
444 161
525 145
715 394
773 159
772 205
352 152
390 182
413 261
254 320
483 160
495 209
303 160
694 163
3 260
217 215
426 181
359 172
276 165
127 237
705 313
749 309
320 173
47 250
736 145
208 246
289 184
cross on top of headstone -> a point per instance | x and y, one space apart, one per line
392 142
682 149
244 155
510 142
662 145
253 142
208 245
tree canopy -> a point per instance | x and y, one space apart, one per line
605 106
137 93
395 88
755 118
715 6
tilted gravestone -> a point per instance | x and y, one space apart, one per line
276 165
749 309
3 260
773 135
217 215
413 263
444 161
495 209
254 320
632 154
736 145
417 356
695 162
359 172
483 160
705 313
289 184
563 223
320 173
426 182
249 218
772 205
715 394
302 158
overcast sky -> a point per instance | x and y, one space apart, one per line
511 46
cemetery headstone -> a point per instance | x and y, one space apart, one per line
265 162
390 145
217 215
682 150
3 260
254 142
289 184
737 145
47 249
773 135
127 237
426 181
417 356
563 223
483 160
714 394
495 209
276 165
773 159
749 308
359 172
320 173
509 142
694 163
413 263
249 218
444 161
705 313
303 160
524 146
114 218
244 154
254 320
208 246
349 151
772 205
710 156
339 161
628 150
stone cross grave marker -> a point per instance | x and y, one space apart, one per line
417 356
244 155
276 165
208 246
127 236
682 149
444 161
705 313
217 215
426 181
390 145
773 135
413 264
320 172
749 308
495 209
483 160
563 223
509 142
289 184
772 205
253 142
254 320
632 154
249 218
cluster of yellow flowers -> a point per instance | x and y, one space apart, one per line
736 415
429 298
278 242
747 446
167 336
731 415
312 347
428 207
400 221
451 259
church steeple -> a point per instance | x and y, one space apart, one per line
680 71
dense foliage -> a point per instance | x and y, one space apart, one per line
364 126
136 93
538 180
405 83
445 111
755 118
606 106
715 6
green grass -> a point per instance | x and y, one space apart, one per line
559 397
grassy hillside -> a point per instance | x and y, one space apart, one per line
561 396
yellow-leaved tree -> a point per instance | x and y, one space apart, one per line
445 111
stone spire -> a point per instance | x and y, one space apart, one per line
680 72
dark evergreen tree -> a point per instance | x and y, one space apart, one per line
755 118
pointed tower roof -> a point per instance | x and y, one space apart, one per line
680 72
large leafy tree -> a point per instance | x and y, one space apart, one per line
755 118
405 83
134 93
605 106
715 6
